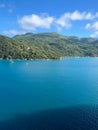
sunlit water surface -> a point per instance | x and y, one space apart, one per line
36 86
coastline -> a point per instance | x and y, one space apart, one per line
61 58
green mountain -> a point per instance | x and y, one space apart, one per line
46 46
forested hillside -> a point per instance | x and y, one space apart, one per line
46 46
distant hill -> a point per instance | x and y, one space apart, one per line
46 46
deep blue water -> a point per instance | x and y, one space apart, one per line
43 88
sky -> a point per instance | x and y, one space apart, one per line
67 17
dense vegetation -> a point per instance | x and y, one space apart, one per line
46 46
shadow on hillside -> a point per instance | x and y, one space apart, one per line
73 118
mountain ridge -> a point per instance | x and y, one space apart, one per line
46 46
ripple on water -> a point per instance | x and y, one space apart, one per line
72 118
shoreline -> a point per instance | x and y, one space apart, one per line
61 58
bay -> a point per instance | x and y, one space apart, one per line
40 85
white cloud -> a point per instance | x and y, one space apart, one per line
13 32
76 15
95 34
66 19
31 22
88 26
63 21
92 27
2 5
44 21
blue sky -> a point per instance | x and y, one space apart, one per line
68 17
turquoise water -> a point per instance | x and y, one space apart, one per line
33 86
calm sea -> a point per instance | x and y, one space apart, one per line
54 92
